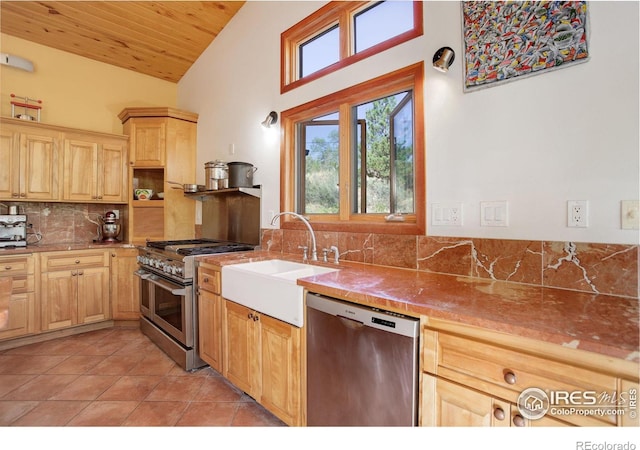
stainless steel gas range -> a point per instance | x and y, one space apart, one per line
166 270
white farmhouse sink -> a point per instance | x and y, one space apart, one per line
270 287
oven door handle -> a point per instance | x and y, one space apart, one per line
142 274
166 286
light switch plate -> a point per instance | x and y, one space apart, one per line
494 214
630 214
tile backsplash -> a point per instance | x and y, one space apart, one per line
597 268
610 269
65 223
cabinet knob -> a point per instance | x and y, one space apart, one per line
256 317
510 377
518 420
81 272
206 279
7 267
498 413
99 197
77 261
113 255
15 194
73 274
250 315
23 195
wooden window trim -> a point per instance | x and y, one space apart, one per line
336 12
411 77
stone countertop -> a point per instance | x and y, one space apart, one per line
35 248
602 324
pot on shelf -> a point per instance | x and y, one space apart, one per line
216 174
241 174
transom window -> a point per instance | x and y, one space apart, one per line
341 33
356 157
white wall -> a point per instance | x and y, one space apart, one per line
569 134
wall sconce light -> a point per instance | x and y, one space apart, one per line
270 120
443 59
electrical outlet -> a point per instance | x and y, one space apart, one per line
446 214
578 213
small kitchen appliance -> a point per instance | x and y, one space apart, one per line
13 230
110 228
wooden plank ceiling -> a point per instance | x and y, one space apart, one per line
160 39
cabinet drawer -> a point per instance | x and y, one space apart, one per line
505 373
69 260
19 265
209 280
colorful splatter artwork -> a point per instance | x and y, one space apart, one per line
506 40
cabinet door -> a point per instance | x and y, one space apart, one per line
241 347
148 141
210 329
18 319
39 167
112 173
125 297
58 297
80 170
9 164
93 294
281 369
457 406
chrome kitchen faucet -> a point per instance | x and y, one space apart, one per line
314 252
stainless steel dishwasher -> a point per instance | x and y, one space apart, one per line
362 365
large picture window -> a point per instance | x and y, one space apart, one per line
341 33
355 159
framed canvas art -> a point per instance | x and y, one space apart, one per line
505 40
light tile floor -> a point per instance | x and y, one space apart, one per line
116 377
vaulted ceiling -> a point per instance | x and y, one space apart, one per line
161 39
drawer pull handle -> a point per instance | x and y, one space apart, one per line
498 413
518 420
510 377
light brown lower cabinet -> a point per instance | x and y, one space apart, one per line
262 357
74 288
209 316
125 297
447 404
476 377
19 317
